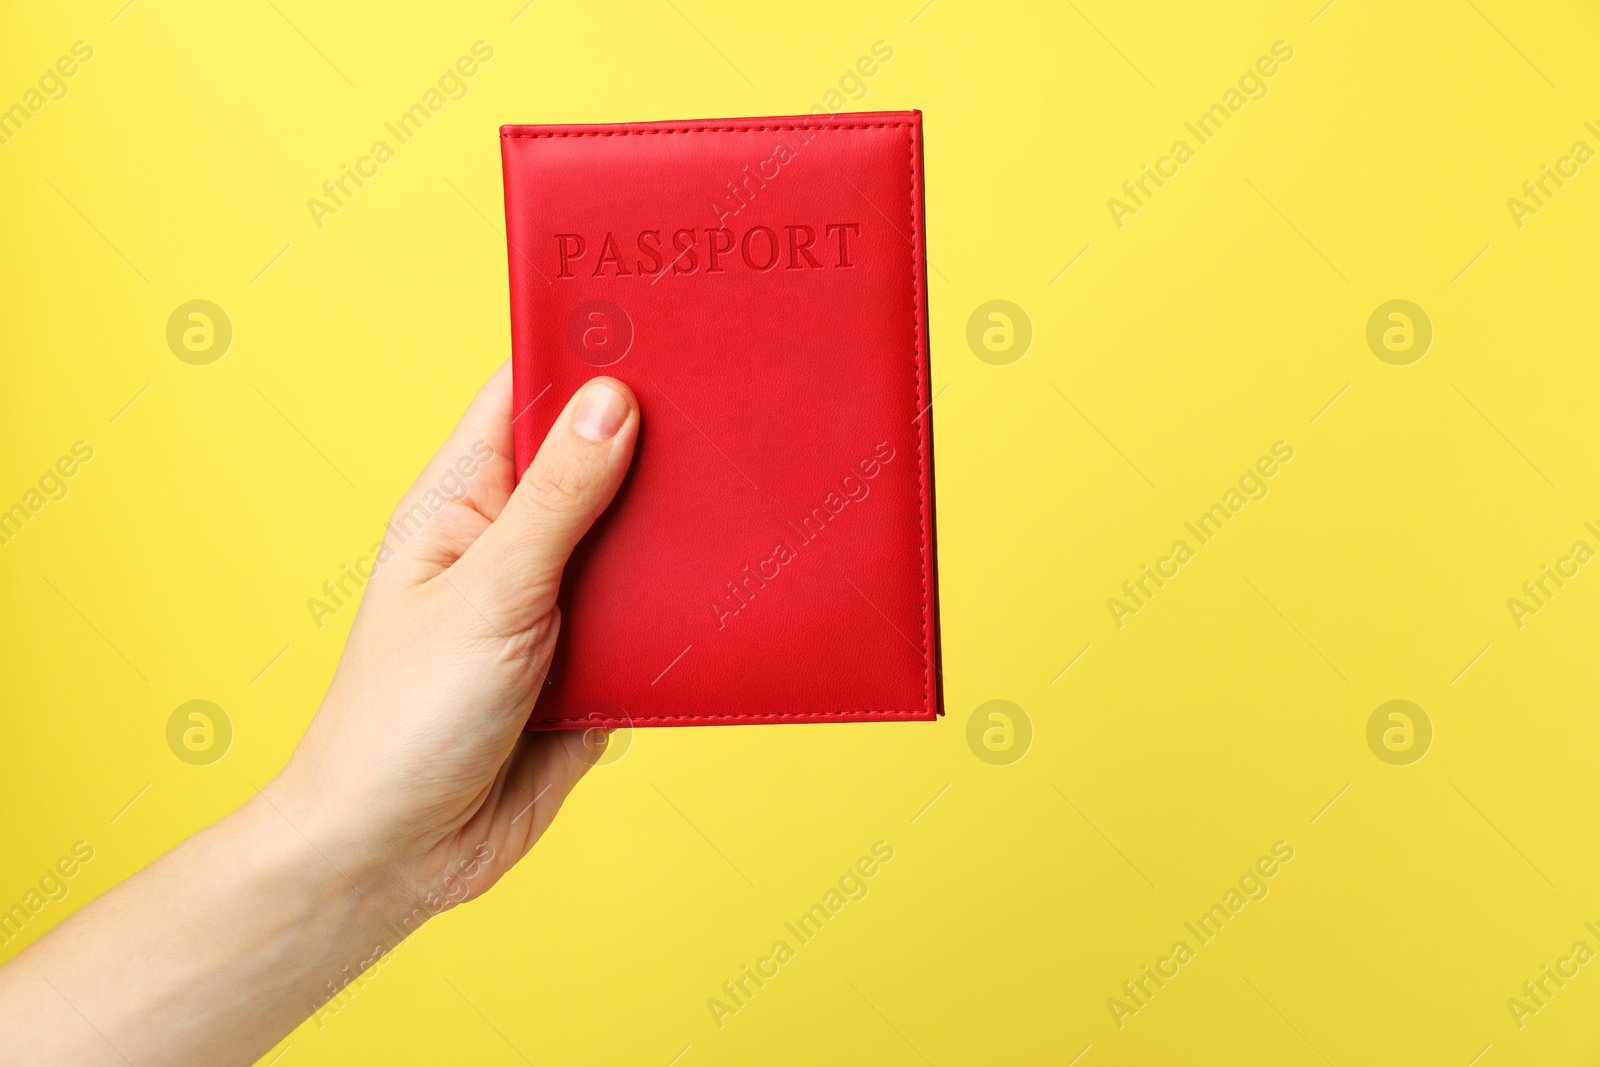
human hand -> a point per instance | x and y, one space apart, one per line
417 757
415 787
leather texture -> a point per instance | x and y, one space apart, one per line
760 284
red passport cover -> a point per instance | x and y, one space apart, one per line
759 283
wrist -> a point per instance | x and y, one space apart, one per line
368 871
293 853
340 829
352 891
328 914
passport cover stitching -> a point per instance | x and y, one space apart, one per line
705 129
923 478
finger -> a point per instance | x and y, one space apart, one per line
460 490
543 770
517 563
474 462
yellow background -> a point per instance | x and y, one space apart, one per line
1225 716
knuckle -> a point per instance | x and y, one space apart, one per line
526 649
410 516
560 487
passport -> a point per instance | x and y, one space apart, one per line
760 284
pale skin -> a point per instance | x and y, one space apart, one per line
414 788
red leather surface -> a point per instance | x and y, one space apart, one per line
770 557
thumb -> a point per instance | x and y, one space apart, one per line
516 564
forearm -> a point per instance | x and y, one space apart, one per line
210 955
